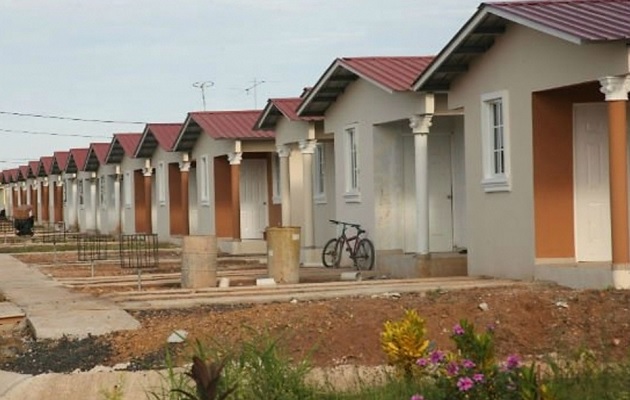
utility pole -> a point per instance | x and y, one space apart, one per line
252 88
203 85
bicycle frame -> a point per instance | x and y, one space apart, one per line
350 243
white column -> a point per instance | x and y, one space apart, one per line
93 209
420 125
307 147
117 207
40 205
285 190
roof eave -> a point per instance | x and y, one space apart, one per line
261 122
177 146
317 88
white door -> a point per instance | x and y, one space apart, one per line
592 200
253 187
440 193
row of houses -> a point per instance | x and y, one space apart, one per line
511 143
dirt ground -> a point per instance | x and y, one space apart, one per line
532 320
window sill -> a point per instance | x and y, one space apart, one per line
496 184
320 199
352 197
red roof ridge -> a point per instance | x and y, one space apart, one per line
534 2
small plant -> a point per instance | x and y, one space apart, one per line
206 377
115 393
404 341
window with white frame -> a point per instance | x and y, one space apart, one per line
102 198
80 188
161 183
352 163
127 187
495 135
276 179
203 181
319 174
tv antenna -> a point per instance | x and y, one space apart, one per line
252 89
202 85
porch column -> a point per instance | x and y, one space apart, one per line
117 202
147 172
184 169
307 148
235 180
285 193
93 206
421 125
616 90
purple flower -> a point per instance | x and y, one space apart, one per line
464 384
458 330
478 377
513 361
468 363
422 362
452 368
436 357
417 397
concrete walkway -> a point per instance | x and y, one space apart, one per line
54 311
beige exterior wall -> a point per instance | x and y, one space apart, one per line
520 62
107 215
127 193
363 105
160 206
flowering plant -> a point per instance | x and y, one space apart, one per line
472 372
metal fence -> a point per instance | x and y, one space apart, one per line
139 251
92 247
53 232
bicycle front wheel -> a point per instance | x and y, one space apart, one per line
332 253
364 258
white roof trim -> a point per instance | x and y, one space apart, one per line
473 23
339 63
265 113
534 25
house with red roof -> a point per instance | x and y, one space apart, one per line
78 192
59 193
169 180
230 177
397 170
543 86
134 200
44 172
101 177
303 173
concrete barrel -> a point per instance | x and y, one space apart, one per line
199 261
283 253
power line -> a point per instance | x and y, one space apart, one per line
53 134
45 116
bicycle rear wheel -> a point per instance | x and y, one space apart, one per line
332 253
364 258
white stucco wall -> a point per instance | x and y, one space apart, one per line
161 200
70 205
108 210
501 225
127 193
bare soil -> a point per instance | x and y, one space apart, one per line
532 320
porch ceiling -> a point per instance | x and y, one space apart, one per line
325 96
477 42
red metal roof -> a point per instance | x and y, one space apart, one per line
288 107
61 158
128 141
15 174
590 20
46 164
100 150
165 134
79 156
33 167
23 172
230 124
394 73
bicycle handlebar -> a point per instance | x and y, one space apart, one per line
334 221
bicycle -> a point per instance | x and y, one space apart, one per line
359 247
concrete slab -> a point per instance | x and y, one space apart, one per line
10 310
9 380
54 311
84 386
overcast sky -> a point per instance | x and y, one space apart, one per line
137 60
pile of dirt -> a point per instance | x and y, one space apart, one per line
531 320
